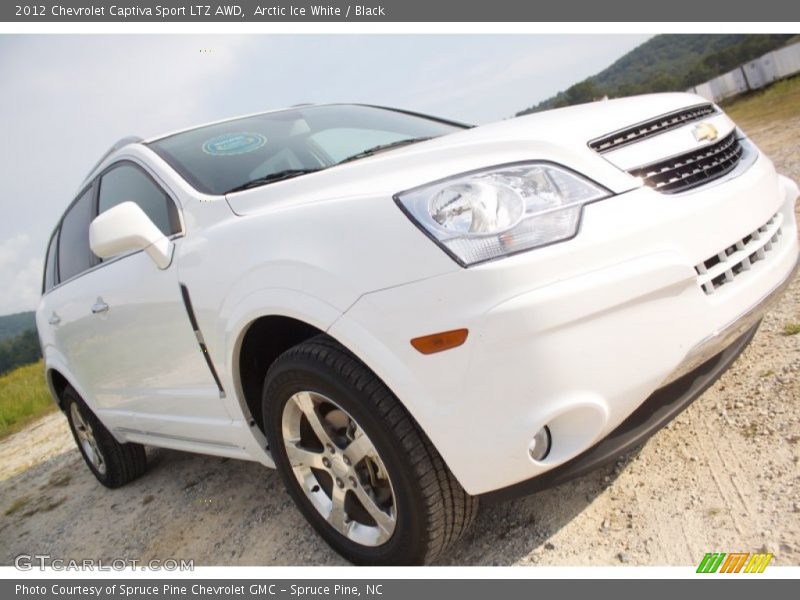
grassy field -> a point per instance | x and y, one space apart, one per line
778 102
23 397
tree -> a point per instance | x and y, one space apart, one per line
585 91
20 350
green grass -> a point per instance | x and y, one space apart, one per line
23 397
17 505
791 329
27 506
777 102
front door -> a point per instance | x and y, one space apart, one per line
126 333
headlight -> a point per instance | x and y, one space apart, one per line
500 211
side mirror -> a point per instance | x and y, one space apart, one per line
126 227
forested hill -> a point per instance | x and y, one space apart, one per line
670 62
13 325
19 344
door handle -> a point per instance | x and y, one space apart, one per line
54 319
99 307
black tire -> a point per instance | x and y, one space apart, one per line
121 463
432 510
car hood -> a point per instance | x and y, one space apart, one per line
559 136
578 125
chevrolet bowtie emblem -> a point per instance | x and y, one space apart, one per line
705 131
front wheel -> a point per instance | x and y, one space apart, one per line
357 465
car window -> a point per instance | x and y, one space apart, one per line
50 263
280 161
342 142
127 183
74 255
221 157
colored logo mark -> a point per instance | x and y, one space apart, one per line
231 144
735 562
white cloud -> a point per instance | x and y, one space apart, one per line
9 249
21 277
490 85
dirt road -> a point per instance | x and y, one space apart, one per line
723 476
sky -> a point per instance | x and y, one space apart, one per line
67 98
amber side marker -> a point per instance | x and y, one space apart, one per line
437 342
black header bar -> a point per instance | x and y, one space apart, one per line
393 11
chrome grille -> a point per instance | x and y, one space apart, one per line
640 131
685 171
726 265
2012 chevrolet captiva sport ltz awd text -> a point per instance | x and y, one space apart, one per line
402 314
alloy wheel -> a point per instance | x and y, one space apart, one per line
338 468
86 439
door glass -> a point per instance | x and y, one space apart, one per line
50 263
127 183
74 255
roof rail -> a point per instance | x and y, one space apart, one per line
130 139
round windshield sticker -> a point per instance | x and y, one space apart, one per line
230 144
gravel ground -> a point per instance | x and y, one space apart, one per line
723 476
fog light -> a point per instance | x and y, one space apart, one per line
540 444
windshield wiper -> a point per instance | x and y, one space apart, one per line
271 178
382 147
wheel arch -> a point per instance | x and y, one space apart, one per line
292 317
57 383
265 337
58 376
262 341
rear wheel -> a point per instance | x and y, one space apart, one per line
357 465
112 463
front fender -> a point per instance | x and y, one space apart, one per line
280 302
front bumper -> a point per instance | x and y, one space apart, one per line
693 377
654 413
578 335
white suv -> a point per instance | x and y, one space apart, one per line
404 314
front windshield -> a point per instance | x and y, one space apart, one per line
228 156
